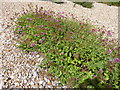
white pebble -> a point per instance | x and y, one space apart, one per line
37 56
32 83
44 83
35 74
40 82
46 79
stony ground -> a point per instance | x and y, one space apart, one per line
19 70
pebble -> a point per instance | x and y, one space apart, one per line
35 73
25 81
44 83
41 82
16 84
46 79
32 83
37 56
40 86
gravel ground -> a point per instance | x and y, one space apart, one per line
19 70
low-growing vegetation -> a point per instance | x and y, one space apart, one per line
112 3
75 52
59 2
85 4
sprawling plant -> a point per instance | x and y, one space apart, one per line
75 52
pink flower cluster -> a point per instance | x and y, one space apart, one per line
19 30
28 19
109 51
115 60
40 41
36 35
109 33
17 26
32 44
62 53
42 33
56 20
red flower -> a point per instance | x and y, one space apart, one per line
40 41
42 33
103 31
110 51
43 37
32 44
94 30
116 60
109 33
62 53
36 35
56 20
27 19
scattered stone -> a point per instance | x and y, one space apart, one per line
41 82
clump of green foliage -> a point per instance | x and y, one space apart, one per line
112 3
75 52
85 4
59 2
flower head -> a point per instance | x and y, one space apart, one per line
100 70
103 31
115 48
17 26
71 32
30 19
19 21
80 23
116 60
94 76
109 33
61 16
43 38
23 27
46 28
104 40
109 51
78 84
111 61
98 30
42 33
90 31
27 19
22 33
104 45
32 53
94 30
56 20
58 12
40 41
19 30
62 53
26 26
34 13
32 44
36 35
44 11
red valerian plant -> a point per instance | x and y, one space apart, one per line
75 52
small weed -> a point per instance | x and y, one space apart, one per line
85 4
112 3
